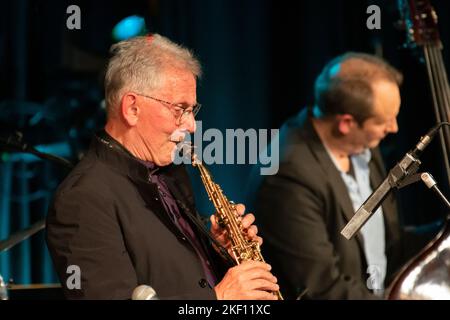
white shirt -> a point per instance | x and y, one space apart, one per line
373 232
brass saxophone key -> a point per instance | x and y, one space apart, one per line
227 217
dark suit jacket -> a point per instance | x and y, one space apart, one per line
300 212
108 219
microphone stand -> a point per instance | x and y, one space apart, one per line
13 240
401 175
15 144
21 235
398 177
431 184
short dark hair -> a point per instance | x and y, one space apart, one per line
345 84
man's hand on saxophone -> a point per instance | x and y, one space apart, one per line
251 279
248 227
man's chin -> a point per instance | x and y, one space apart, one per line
165 159
374 144
163 163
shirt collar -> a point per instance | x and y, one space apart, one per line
365 156
151 166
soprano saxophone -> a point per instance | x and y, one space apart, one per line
227 217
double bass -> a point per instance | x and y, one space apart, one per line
427 275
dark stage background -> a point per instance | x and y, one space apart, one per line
260 59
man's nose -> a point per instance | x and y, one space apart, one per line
189 124
393 127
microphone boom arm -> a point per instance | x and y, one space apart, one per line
406 167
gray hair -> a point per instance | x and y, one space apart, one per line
138 64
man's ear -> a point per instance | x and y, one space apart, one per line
345 122
129 108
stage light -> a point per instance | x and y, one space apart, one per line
129 27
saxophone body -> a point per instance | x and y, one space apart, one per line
227 217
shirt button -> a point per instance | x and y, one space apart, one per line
183 238
156 198
203 283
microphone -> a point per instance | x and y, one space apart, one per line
144 292
13 140
431 184
425 140
407 166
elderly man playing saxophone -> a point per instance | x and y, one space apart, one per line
125 214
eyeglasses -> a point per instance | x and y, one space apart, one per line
182 112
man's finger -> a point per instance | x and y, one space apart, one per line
214 223
240 208
252 231
248 220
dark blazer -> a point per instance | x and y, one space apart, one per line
300 212
108 219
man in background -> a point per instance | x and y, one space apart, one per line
329 165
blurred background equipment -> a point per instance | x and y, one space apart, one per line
27 183
3 289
